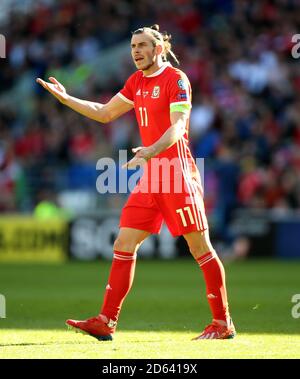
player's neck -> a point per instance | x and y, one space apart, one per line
155 67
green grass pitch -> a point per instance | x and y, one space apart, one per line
164 311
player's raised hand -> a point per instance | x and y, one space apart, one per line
142 155
55 88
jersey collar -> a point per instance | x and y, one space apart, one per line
159 71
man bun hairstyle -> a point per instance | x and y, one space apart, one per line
155 27
157 37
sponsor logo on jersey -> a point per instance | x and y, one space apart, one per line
181 84
182 96
155 92
138 93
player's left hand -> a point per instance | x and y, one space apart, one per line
142 155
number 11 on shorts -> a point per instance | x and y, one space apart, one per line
187 211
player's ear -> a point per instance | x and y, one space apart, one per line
159 49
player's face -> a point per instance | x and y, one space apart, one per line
144 54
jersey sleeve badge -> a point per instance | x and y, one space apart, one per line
181 84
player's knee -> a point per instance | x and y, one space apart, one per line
199 244
121 244
197 250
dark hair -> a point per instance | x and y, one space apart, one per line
164 38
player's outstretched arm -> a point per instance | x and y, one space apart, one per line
99 112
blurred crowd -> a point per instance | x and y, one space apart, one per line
246 97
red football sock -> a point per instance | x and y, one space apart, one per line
119 283
214 275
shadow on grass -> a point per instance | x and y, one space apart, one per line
167 296
196 329
45 343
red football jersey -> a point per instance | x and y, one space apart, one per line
154 97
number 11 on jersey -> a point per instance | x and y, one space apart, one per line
144 116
